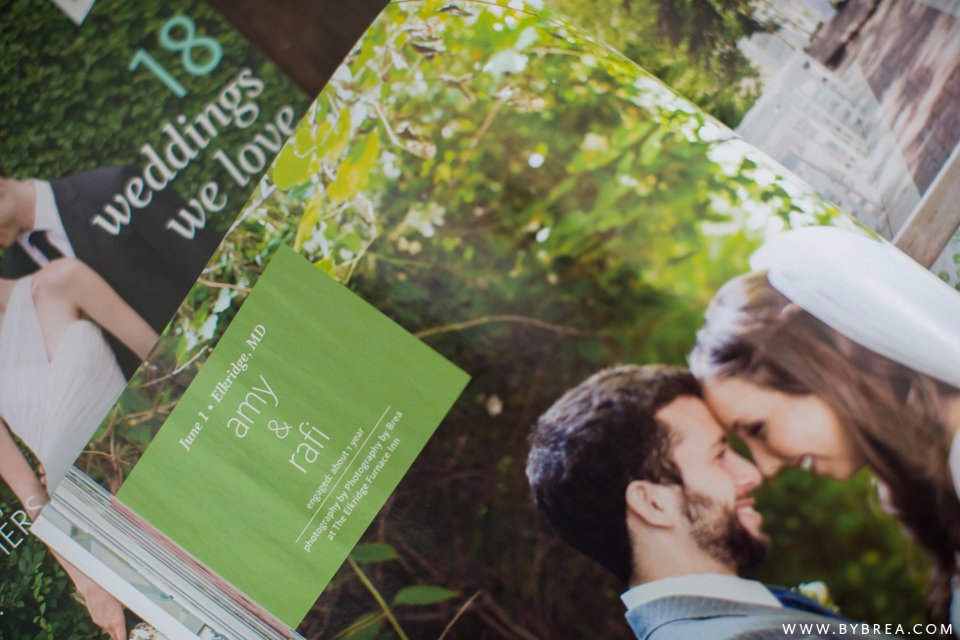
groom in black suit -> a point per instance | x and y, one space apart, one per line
150 266
632 470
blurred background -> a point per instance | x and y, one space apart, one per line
860 98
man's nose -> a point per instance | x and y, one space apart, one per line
766 462
746 473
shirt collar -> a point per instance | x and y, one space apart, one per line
46 214
708 585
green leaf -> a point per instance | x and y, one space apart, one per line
355 170
365 627
290 168
327 266
311 216
420 595
370 552
334 142
305 140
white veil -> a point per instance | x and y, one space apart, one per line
870 292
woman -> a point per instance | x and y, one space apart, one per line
58 379
839 353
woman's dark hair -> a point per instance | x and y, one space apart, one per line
893 412
593 442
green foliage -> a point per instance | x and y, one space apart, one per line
422 594
689 44
950 267
841 525
372 552
708 28
37 600
369 625
535 207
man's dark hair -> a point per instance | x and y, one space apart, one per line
595 440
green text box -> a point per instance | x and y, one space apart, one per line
285 446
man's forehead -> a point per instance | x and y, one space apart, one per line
690 420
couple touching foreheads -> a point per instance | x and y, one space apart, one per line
835 353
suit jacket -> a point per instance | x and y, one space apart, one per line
700 618
149 266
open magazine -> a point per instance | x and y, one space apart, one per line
131 136
482 214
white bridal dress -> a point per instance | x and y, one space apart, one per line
54 405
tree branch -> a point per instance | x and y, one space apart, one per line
508 318
460 612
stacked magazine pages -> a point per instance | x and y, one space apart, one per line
376 366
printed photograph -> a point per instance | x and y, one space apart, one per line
681 361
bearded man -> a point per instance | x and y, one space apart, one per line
632 469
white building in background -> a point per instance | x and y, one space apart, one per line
825 128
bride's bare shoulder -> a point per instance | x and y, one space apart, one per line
58 278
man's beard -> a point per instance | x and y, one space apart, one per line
718 531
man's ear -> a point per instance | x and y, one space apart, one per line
654 503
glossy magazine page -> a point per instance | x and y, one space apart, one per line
131 137
420 314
